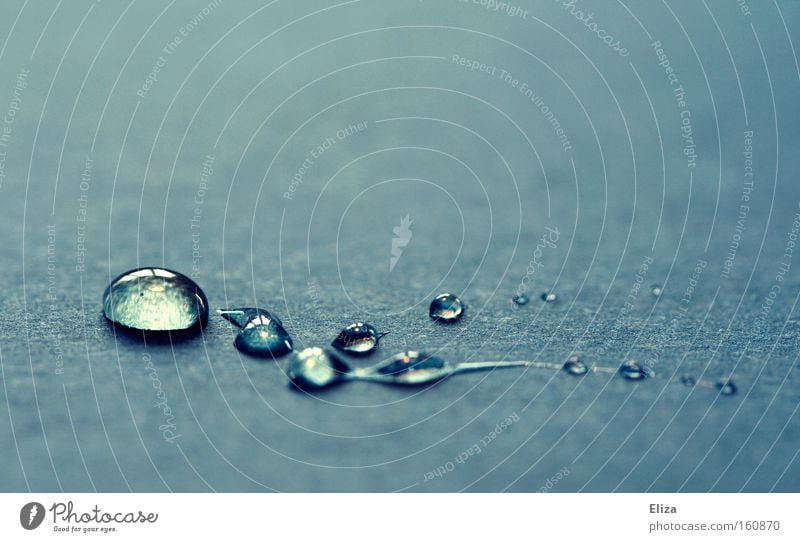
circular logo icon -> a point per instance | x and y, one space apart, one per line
31 515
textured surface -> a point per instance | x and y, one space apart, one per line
275 162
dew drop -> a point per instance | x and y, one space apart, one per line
726 387
688 381
262 334
549 297
633 371
520 299
359 338
656 290
314 368
575 366
155 299
446 308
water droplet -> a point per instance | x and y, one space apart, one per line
656 290
314 368
446 308
520 299
549 297
358 338
633 371
575 366
726 387
411 368
155 299
688 381
261 333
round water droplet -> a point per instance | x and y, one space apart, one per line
656 290
688 381
314 368
261 335
633 371
575 366
446 308
520 299
155 299
549 297
726 387
358 338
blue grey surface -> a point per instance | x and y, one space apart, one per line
272 152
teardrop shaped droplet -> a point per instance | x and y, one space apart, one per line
411 368
314 368
155 299
262 333
633 371
520 299
241 317
549 297
446 308
726 387
359 338
575 366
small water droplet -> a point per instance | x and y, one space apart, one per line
446 308
520 299
549 297
631 370
726 387
358 338
656 290
688 381
411 368
261 333
314 368
575 366
155 299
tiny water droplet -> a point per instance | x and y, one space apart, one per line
656 290
726 387
688 381
575 366
549 297
359 338
633 371
314 368
261 333
520 299
155 299
446 308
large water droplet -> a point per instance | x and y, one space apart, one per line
575 366
633 371
549 297
446 308
520 299
155 299
261 333
726 387
358 338
314 368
